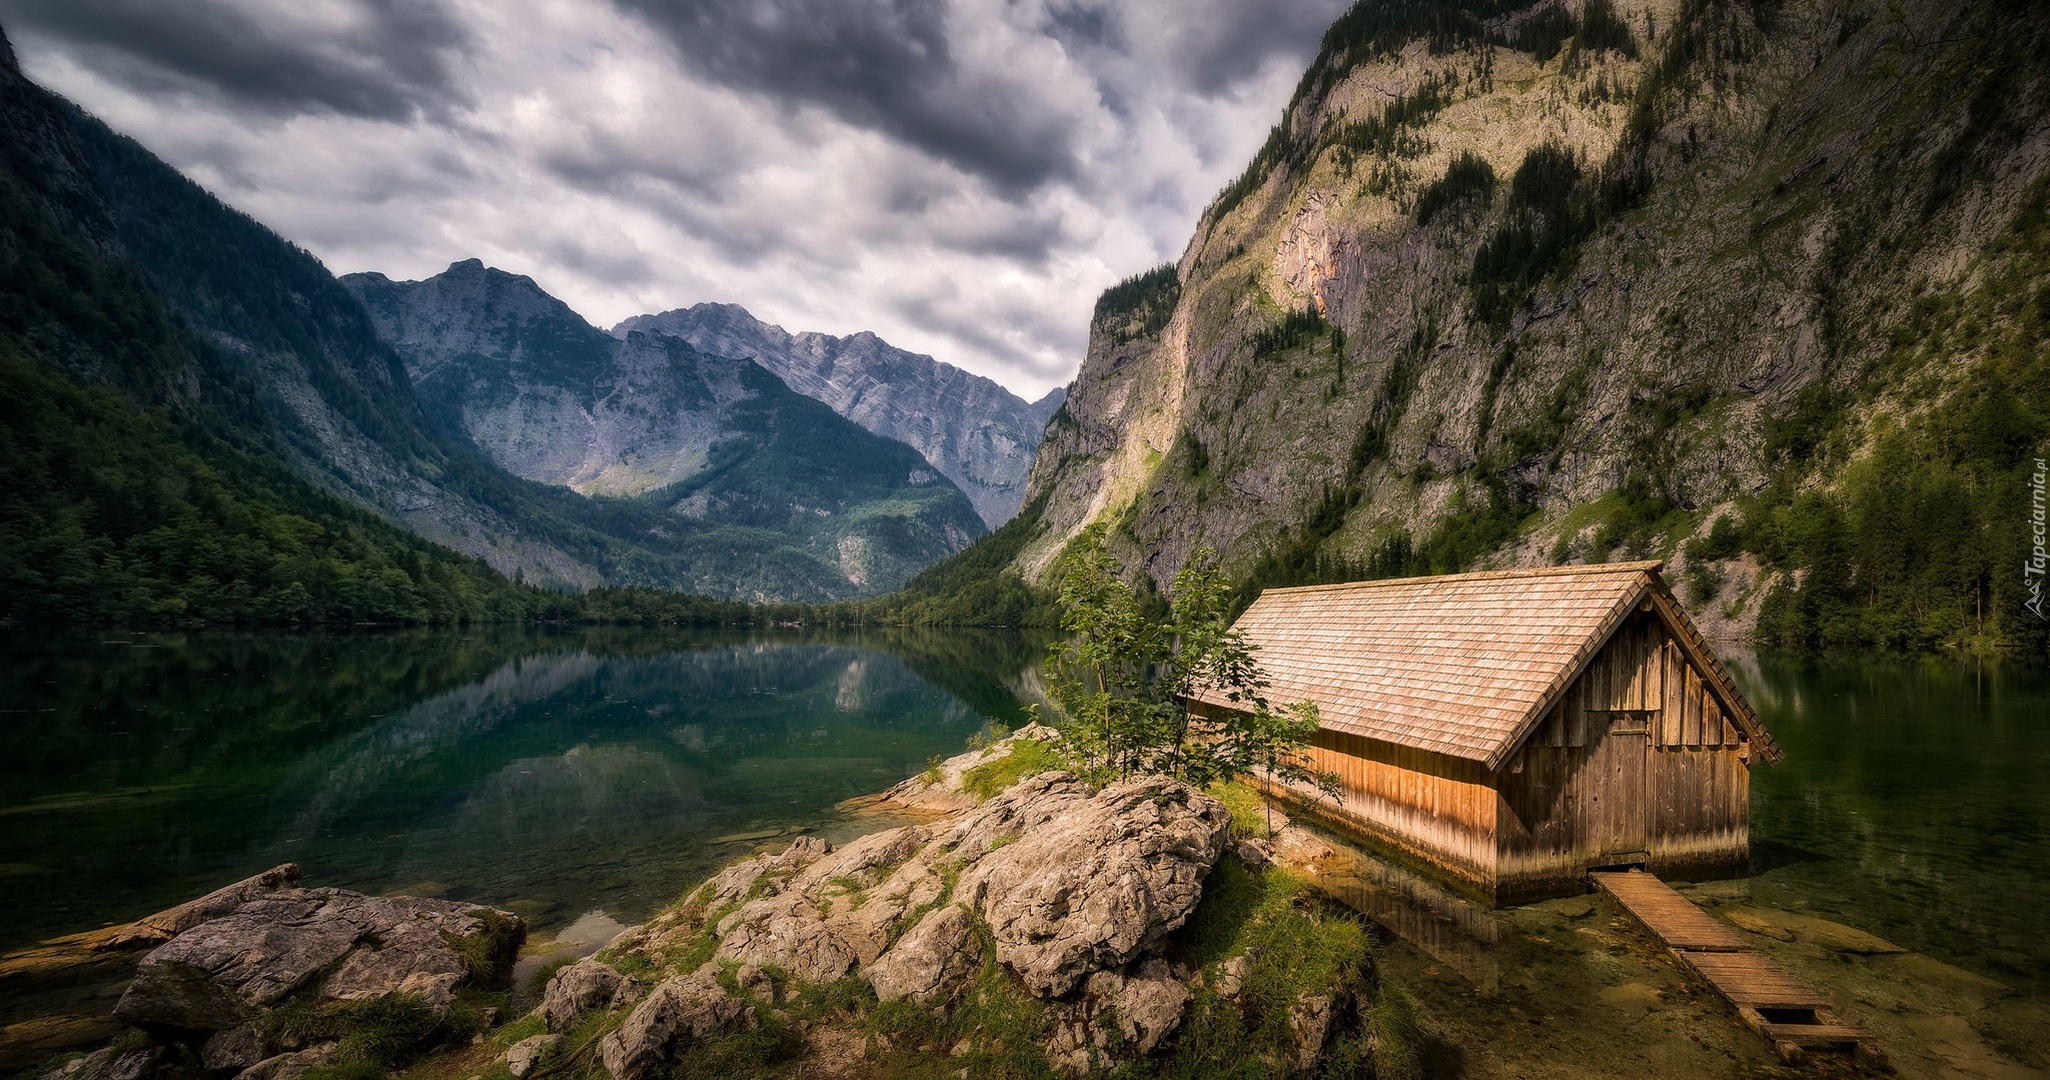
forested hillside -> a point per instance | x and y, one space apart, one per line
140 484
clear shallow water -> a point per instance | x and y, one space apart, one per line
551 773
1914 802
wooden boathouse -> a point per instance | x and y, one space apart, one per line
1512 730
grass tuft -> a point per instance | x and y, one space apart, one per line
1028 757
1248 810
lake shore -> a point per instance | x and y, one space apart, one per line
926 948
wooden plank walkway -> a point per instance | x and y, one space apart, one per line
1779 1007
1672 918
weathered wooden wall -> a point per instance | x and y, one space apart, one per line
1638 762
1430 808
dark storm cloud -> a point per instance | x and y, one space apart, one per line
1221 43
959 176
885 65
390 63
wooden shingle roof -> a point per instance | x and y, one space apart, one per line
1463 664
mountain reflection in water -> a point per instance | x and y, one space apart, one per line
550 772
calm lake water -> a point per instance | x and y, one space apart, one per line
551 773
1914 801
561 773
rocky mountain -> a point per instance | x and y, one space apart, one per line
976 433
202 424
716 441
1759 287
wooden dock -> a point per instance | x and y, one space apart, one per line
1783 1010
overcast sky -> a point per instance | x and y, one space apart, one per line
960 176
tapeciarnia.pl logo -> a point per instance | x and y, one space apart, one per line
2032 570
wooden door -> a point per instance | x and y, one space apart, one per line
1619 778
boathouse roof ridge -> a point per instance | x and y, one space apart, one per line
1464 665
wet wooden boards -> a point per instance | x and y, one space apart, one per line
1780 1008
1670 917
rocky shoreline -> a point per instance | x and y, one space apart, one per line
1048 927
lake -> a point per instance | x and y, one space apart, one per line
548 773
561 773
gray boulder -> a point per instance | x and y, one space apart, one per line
288 1066
932 962
676 1014
165 925
786 931
1114 876
227 970
583 987
1140 1005
234 1049
765 874
113 1063
524 1056
1026 806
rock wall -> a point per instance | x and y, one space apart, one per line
1758 205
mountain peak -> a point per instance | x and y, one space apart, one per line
974 431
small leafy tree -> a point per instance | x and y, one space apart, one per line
1125 681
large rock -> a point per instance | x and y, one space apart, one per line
1113 876
290 1066
786 931
234 1049
764 874
1027 806
677 1013
226 971
165 925
932 962
117 1063
824 919
583 987
526 1055
1140 1005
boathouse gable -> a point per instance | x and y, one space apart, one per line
1512 730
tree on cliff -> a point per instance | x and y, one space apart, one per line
1123 679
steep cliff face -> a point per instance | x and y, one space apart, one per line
715 442
976 433
546 395
1515 284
